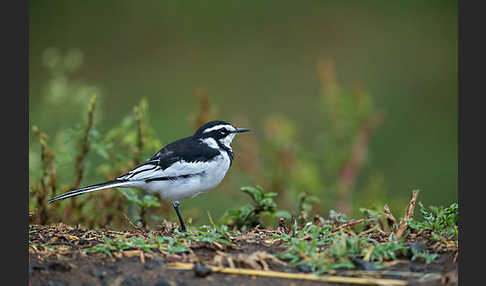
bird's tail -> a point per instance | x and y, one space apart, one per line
97 187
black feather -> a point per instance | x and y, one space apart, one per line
189 149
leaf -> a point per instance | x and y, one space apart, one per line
255 192
150 201
284 214
131 196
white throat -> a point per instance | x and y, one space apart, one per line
226 141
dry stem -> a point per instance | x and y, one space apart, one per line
351 223
48 171
300 276
79 160
408 214
390 219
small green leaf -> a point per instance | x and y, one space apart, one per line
150 201
284 214
131 196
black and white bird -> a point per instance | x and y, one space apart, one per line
184 168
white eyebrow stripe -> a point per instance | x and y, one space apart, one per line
229 127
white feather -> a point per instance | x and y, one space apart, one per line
206 175
227 126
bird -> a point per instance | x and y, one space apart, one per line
182 169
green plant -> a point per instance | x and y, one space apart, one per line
74 152
304 208
441 221
121 243
178 242
323 249
249 215
388 250
425 255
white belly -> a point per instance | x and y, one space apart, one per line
211 174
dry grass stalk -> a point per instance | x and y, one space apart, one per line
138 150
255 260
402 227
298 276
80 158
84 146
48 172
349 173
351 223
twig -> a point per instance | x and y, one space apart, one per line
351 223
137 228
299 276
408 214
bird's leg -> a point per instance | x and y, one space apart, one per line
176 205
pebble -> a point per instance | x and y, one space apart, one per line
56 266
418 247
154 263
36 266
100 274
162 282
304 267
416 268
362 264
83 241
201 270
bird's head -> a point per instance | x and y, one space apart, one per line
219 131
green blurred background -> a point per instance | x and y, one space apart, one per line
255 59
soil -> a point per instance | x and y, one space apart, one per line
66 263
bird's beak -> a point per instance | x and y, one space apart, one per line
239 130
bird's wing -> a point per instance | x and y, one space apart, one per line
184 157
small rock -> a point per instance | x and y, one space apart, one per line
131 281
201 270
154 263
416 247
362 264
416 268
100 274
162 282
56 266
36 266
83 241
304 267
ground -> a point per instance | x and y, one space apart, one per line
57 257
